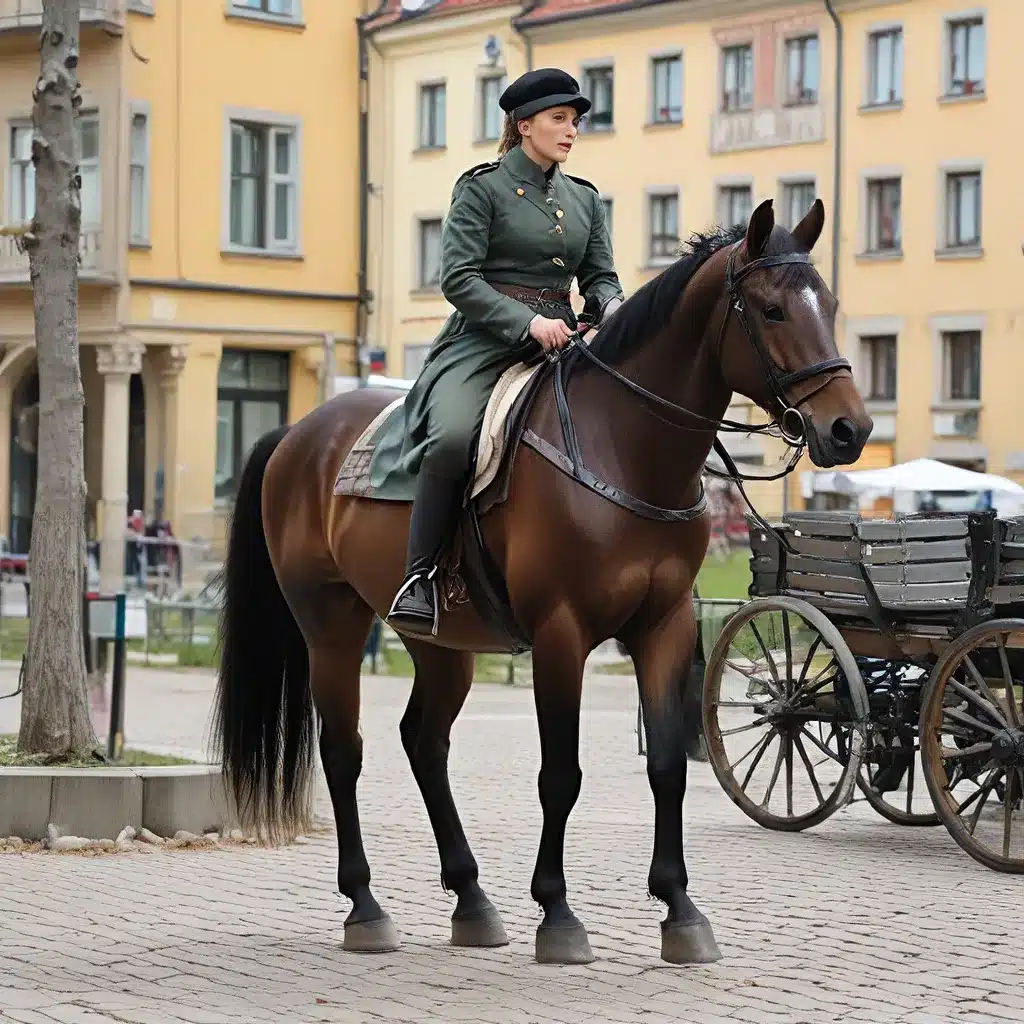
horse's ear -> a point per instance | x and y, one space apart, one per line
762 220
808 231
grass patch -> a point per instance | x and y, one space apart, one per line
11 757
725 577
490 668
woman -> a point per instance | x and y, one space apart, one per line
517 232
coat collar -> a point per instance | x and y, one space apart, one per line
520 166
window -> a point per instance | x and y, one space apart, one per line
961 370
878 357
252 398
429 271
432 116
885 67
797 198
599 86
138 183
608 207
737 78
490 114
966 57
278 8
736 203
884 229
802 70
963 210
264 186
88 145
664 226
667 90
413 358
23 176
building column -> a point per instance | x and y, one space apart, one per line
173 362
116 363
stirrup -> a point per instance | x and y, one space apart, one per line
410 581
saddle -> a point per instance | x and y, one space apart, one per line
469 571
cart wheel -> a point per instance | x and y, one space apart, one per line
898 806
782 682
972 742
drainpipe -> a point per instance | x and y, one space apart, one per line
837 170
362 311
528 8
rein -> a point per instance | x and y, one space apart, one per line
790 425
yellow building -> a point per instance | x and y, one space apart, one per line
219 245
704 108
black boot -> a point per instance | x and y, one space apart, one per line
435 514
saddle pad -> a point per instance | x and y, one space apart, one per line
354 475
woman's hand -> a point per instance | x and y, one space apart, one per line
552 334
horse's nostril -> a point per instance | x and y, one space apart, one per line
844 431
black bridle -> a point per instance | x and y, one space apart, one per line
788 423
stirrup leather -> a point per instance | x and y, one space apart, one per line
410 581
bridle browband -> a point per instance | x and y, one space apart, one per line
788 424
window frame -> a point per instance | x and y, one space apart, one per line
271 123
19 124
655 197
953 21
950 176
422 223
788 185
482 83
743 103
657 61
95 162
439 88
947 338
871 78
872 231
724 191
807 97
140 238
869 345
588 74
238 396
240 9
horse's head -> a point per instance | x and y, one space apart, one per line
778 343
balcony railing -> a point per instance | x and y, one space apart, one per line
767 127
14 264
108 14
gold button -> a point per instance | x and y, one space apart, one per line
520 192
557 262
559 213
558 229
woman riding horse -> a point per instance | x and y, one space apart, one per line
517 233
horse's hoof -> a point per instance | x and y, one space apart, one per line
482 927
563 944
377 936
692 943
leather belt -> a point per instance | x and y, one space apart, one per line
521 293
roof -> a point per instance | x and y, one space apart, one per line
548 12
394 13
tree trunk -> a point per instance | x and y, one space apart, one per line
55 707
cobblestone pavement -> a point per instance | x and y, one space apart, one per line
856 920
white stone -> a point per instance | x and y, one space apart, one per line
237 835
126 834
213 837
71 843
151 837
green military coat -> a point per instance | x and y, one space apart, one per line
509 224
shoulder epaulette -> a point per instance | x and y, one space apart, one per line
475 172
583 181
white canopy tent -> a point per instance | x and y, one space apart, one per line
906 482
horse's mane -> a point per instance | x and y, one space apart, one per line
649 308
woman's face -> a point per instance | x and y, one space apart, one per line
550 134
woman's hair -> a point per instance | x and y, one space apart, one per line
510 137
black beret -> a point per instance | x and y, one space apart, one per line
540 90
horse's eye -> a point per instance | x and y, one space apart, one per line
774 315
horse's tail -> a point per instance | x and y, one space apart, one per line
263 725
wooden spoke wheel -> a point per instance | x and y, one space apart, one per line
785 714
891 776
972 742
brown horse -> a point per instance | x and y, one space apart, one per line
307 570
